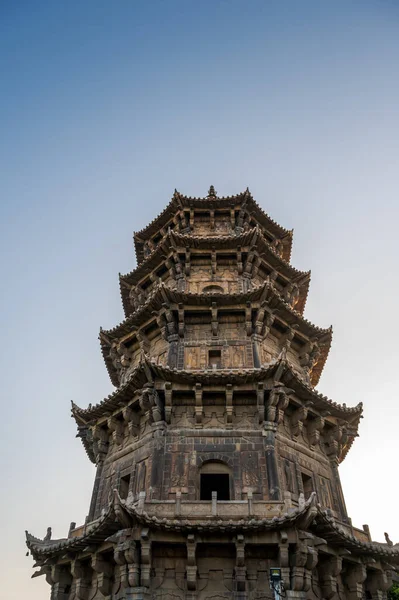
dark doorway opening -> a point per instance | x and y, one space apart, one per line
307 485
124 487
215 482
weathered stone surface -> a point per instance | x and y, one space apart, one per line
216 458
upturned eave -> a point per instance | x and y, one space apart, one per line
159 374
94 533
246 240
161 293
336 535
180 201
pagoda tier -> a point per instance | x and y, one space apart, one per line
228 263
308 415
216 459
184 330
224 216
124 553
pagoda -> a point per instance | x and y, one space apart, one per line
216 458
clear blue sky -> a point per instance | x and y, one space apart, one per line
105 108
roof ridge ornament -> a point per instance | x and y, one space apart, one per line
212 193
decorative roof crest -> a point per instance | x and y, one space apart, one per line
212 192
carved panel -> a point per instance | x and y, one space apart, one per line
179 470
245 417
141 477
250 469
183 416
192 357
222 224
325 492
214 416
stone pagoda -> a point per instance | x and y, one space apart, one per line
217 459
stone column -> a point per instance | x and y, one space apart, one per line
271 461
94 495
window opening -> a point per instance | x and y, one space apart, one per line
307 485
124 487
215 482
215 359
213 289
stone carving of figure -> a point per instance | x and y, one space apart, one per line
146 249
291 294
47 537
294 296
137 297
125 355
278 246
310 359
271 278
115 358
192 358
184 222
314 356
237 358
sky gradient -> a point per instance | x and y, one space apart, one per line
105 108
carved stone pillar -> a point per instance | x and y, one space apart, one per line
121 578
299 559
199 412
96 487
378 583
229 405
354 578
168 401
284 560
104 572
133 566
191 568
240 570
329 571
260 401
82 579
271 461
145 558
337 489
61 579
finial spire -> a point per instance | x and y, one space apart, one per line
211 192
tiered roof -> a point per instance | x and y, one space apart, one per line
121 513
247 239
162 293
148 371
180 201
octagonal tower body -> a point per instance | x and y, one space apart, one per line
217 460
